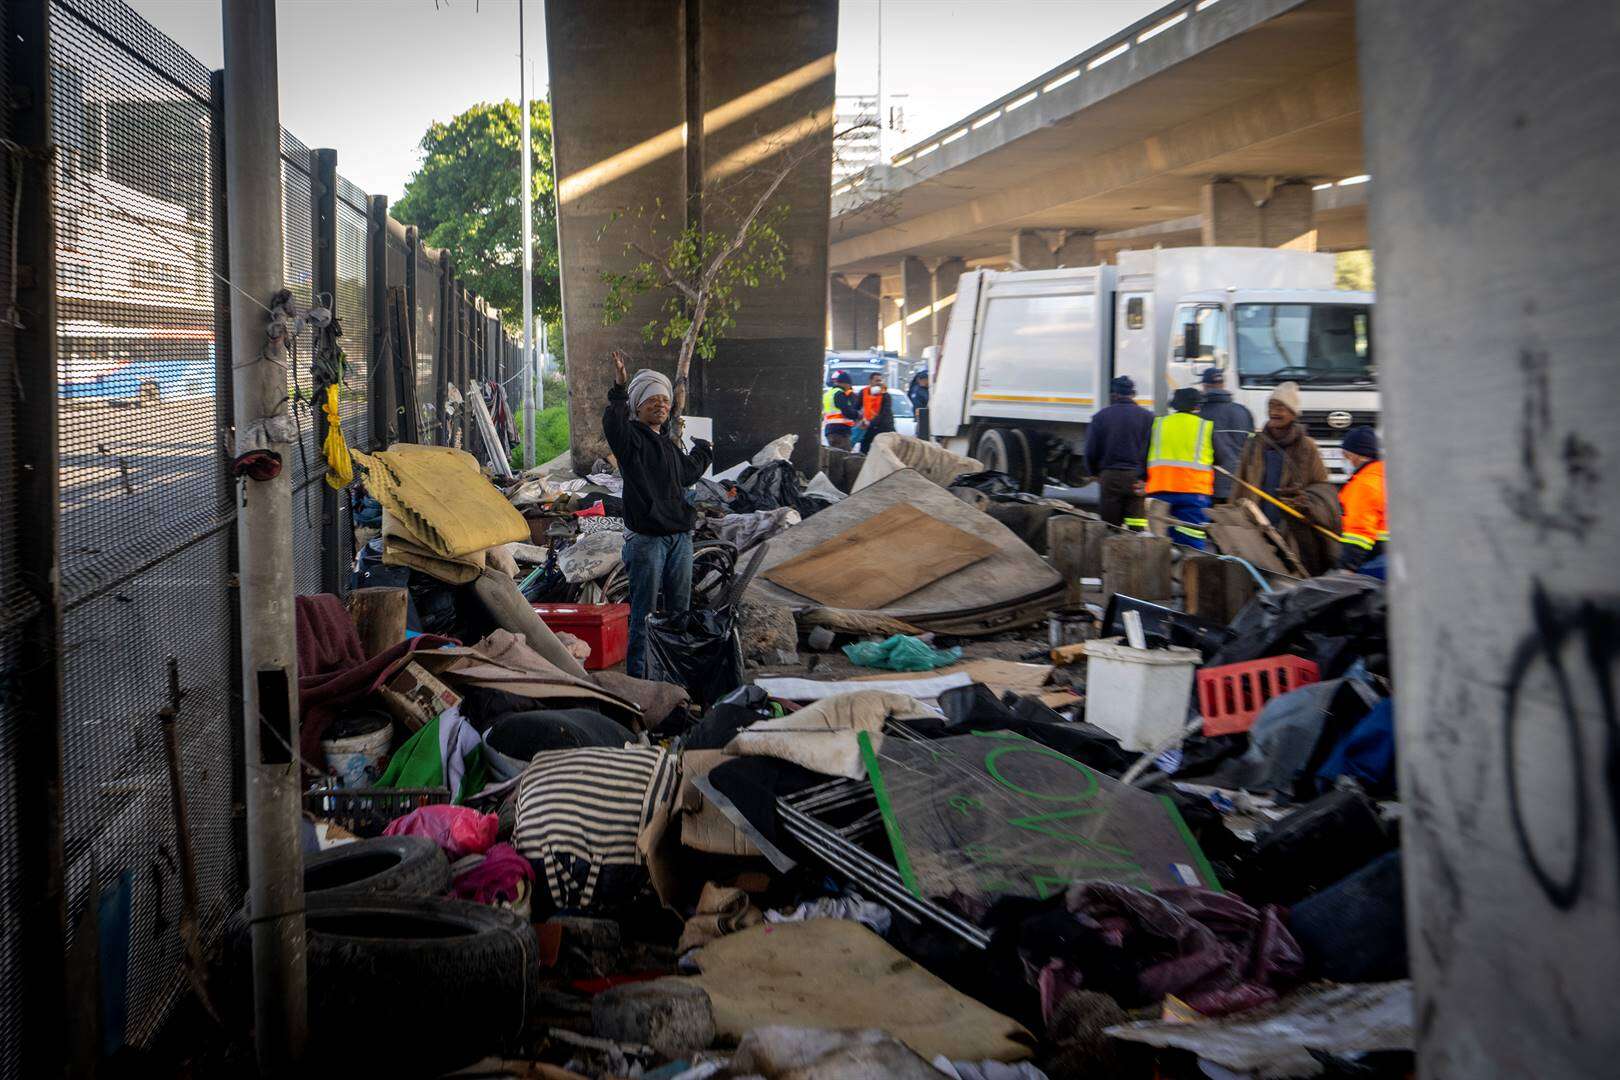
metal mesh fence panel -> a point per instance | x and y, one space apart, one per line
427 346
145 508
353 309
298 269
14 601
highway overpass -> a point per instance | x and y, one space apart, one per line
1207 122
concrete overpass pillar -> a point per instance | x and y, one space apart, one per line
946 275
631 80
917 287
1497 281
1240 214
1030 251
1077 249
891 324
854 302
1034 249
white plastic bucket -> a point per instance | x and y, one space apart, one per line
357 760
1139 696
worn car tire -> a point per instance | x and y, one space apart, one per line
473 969
386 866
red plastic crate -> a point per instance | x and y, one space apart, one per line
604 627
1232 695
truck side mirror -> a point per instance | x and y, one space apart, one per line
1190 345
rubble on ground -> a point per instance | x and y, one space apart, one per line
913 791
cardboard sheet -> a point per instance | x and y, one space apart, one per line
1012 575
889 555
829 973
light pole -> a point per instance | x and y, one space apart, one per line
528 253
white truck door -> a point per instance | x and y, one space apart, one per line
1214 347
1134 347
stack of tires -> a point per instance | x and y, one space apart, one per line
402 979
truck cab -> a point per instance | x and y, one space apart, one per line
1318 338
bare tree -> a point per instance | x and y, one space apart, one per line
701 272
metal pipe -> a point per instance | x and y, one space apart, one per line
264 536
528 425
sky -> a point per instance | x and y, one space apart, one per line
367 77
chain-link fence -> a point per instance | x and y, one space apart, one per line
146 509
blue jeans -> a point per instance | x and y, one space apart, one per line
660 572
1188 509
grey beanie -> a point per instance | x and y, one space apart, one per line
648 383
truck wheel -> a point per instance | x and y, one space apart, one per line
1005 450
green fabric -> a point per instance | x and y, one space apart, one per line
475 776
900 653
416 763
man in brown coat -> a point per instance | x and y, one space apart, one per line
1283 461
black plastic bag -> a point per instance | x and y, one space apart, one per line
991 483
771 486
1333 620
698 650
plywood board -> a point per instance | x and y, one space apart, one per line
1005 580
889 555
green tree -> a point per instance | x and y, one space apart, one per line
464 198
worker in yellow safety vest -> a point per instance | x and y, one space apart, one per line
1181 466
840 409
1365 528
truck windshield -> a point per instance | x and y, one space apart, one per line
1305 343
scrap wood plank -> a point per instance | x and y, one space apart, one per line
1284 548
997 674
1247 544
880 560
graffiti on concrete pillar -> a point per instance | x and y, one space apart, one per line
1593 627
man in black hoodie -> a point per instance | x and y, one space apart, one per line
1233 426
1116 453
658 520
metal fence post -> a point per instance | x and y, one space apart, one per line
224 417
264 532
444 354
384 373
38 760
325 219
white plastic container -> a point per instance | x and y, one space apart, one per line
357 760
1139 696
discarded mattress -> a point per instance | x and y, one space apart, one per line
1007 588
893 451
830 973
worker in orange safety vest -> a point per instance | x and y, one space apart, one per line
1365 528
877 411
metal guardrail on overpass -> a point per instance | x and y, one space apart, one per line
1143 29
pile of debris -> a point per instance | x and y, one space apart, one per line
957 781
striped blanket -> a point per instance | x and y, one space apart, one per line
581 813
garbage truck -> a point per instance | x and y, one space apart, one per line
1028 355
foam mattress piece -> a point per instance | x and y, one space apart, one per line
1012 573
831 973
